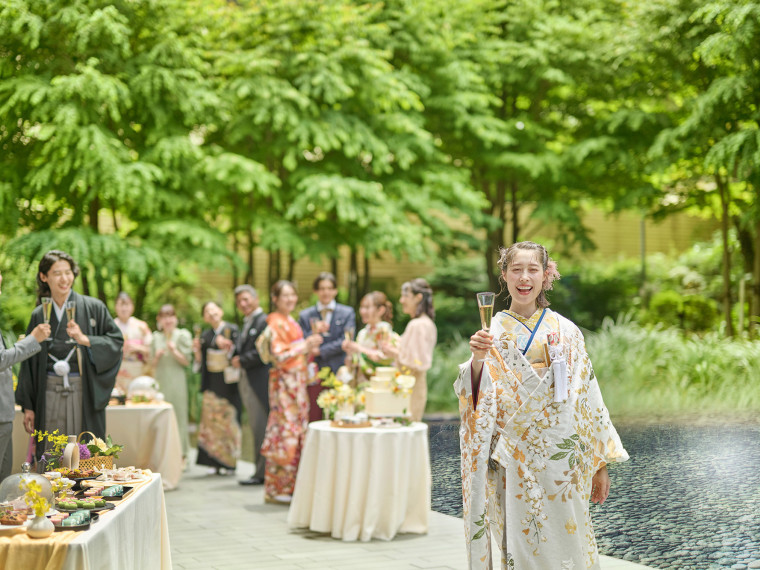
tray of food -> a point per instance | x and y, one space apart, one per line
92 504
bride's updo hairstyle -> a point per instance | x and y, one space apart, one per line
507 255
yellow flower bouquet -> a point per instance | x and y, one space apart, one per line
340 395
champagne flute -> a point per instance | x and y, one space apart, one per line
485 306
197 330
314 324
47 309
71 311
348 332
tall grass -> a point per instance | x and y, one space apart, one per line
643 370
446 360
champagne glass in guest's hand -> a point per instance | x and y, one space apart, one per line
348 332
71 311
197 331
485 306
47 308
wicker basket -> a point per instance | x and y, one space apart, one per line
96 461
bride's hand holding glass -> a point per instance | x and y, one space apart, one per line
481 344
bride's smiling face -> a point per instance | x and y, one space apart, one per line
524 277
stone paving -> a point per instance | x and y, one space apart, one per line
216 523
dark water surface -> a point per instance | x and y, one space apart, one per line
688 498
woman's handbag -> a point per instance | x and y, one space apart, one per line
216 360
264 346
231 375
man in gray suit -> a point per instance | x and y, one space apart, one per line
22 350
254 383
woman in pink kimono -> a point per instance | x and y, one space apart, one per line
414 353
535 435
288 399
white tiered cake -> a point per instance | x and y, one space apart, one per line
388 395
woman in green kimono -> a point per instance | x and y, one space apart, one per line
535 435
67 385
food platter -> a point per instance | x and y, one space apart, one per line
22 525
107 507
85 526
127 491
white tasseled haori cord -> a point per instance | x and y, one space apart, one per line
62 367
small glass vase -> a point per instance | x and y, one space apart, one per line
40 527
344 411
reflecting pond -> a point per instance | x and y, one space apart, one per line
689 497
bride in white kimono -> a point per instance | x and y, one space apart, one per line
535 434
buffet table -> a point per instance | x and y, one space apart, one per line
133 535
363 483
148 432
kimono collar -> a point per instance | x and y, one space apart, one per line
529 322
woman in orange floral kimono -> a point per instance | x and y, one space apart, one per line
535 434
288 399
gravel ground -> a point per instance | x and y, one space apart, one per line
688 498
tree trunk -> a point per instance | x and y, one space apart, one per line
334 266
515 207
366 282
291 266
100 281
353 278
724 221
747 247
250 239
754 315
142 293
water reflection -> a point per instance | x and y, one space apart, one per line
688 498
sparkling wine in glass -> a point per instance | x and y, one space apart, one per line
197 330
348 332
485 306
47 309
71 311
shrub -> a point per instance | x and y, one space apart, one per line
665 307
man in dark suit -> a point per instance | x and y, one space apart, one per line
254 385
338 318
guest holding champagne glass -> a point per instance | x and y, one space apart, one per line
137 339
219 434
288 398
171 351
9 356
414 353
332 320
365 353
67 386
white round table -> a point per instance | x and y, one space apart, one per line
363 483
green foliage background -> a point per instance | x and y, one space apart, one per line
155 139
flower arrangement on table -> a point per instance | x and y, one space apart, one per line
99 452
403 381
51 458
33 496
339 394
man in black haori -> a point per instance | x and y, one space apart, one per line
67 385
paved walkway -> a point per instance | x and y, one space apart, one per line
216 523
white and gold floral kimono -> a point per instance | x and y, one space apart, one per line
528 460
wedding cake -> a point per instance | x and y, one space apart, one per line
388 395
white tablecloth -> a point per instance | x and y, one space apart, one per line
148 432
363 483
134 535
